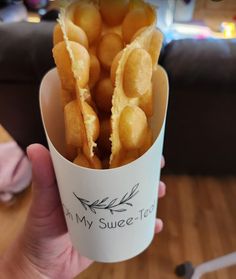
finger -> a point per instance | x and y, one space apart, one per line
45 192
162 162
161 189
158 226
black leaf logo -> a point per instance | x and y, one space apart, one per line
114 206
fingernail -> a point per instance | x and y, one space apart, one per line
163 162
163 185
159 226
28 153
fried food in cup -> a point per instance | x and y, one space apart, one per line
106 53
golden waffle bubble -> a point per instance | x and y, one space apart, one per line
109 46
95 70
114 67
139 16
76 34
87 16
146 102
81 63
137 73
132 135
148 142
155 45
106 53
103 95
92 119
64 66
57 34
66 97
113 12
73 124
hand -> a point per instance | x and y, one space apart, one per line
161 194
44 248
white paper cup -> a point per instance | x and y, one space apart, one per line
110 214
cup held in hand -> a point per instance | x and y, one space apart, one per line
111 213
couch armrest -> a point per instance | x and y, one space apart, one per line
210 62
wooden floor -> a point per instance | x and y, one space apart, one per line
200 224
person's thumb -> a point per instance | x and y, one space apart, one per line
45 197
45 223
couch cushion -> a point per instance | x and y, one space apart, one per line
209 62
200 135
25 51
20 113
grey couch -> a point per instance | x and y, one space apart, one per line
201 134
25 56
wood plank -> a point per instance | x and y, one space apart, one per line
199 215
12 216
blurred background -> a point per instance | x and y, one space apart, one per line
196 14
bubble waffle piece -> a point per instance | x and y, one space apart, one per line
146 102
95 70
57 34
73 124
114 67
139 15
137 73
87 16
109 46
132 136
113 12
106 53
64 66
75 34
103 95
147 143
